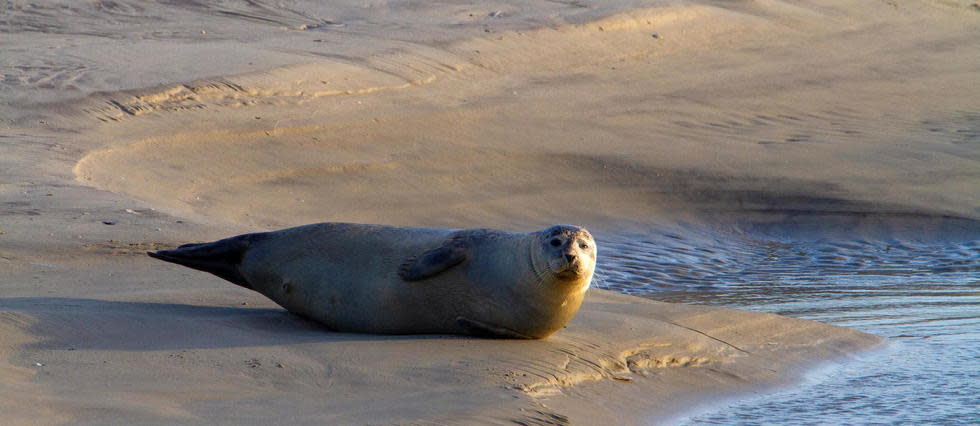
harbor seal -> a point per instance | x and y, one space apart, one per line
399 280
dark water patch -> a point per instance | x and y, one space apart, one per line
909 277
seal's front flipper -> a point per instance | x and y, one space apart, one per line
434 262
482 329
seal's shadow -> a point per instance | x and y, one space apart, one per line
75 323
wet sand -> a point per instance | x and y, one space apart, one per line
129 127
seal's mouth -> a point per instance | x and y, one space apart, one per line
569 274
569 271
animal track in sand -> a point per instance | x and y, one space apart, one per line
250 90
131 249
961 129
545 380
789 126
564 48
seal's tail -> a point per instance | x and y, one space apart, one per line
222 258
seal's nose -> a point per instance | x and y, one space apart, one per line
570 257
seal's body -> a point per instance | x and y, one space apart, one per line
396 280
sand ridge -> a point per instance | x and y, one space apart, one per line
487 103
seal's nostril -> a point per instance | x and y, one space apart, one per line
569 257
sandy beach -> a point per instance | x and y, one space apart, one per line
128 126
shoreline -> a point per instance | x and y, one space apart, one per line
806 374
594 121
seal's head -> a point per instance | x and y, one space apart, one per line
567 253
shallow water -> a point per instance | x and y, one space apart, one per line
924 295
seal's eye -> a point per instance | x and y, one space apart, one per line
555 242
584 246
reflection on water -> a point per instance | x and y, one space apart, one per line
923 295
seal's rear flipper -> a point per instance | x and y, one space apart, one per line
221 258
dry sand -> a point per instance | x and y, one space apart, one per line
127 126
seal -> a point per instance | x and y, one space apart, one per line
399 280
